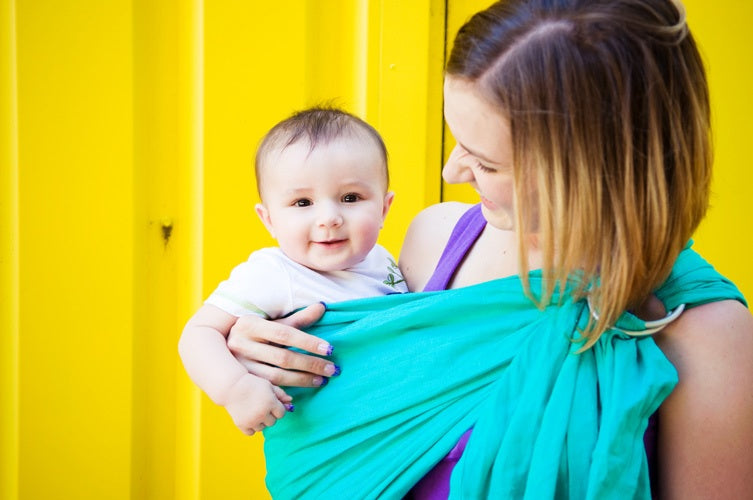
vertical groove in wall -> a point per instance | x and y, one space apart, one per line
445 53
361 59
435 153
367 20
153 225
369 29
9 254
168 150
190 256
331 55
410 85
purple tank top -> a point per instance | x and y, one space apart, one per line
435 484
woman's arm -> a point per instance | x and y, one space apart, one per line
705 443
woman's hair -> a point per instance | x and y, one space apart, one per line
319 125
608 107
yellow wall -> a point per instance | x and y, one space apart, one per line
123 121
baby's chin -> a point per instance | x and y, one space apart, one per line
329 267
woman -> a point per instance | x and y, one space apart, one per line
584 127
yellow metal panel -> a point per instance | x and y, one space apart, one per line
188 239
75 268
9 279
723 32
167 218
409 97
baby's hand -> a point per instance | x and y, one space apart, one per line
254 404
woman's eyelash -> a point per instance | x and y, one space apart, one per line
483 168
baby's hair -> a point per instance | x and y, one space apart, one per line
319 125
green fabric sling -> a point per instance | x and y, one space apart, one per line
420 369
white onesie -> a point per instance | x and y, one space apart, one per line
271 285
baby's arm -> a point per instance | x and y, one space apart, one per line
253 403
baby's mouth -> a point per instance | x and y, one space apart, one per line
330 242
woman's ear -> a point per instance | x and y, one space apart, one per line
263 214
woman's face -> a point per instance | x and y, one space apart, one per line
483 154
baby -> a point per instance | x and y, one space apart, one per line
322 178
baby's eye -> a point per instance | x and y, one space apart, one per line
302 202
351 198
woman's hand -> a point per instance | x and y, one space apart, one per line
261 347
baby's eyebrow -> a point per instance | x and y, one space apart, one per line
356 184
297 190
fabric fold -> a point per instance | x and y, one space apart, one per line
420 369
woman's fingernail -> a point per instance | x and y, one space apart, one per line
290 407
332 370
325 349
320 381
324 304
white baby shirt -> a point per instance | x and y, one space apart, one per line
271 285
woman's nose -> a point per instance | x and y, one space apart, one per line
329 215
457 169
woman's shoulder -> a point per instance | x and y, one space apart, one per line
448 212
425 240
711 344
705 330
706 434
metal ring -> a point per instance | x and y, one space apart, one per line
652 327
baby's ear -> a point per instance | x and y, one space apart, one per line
387 203
263 214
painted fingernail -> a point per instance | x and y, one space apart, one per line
332 370
325 348
320 381
323 303
290 407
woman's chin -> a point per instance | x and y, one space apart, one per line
500 219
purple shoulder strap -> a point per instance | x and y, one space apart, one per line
464 235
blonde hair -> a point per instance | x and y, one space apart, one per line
609 115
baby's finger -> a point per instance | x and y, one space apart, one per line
279 411
305 317
269 421
282 396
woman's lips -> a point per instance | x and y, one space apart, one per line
487 203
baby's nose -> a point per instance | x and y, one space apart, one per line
329 215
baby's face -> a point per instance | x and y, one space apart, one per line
325 207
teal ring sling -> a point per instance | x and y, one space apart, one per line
420 369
